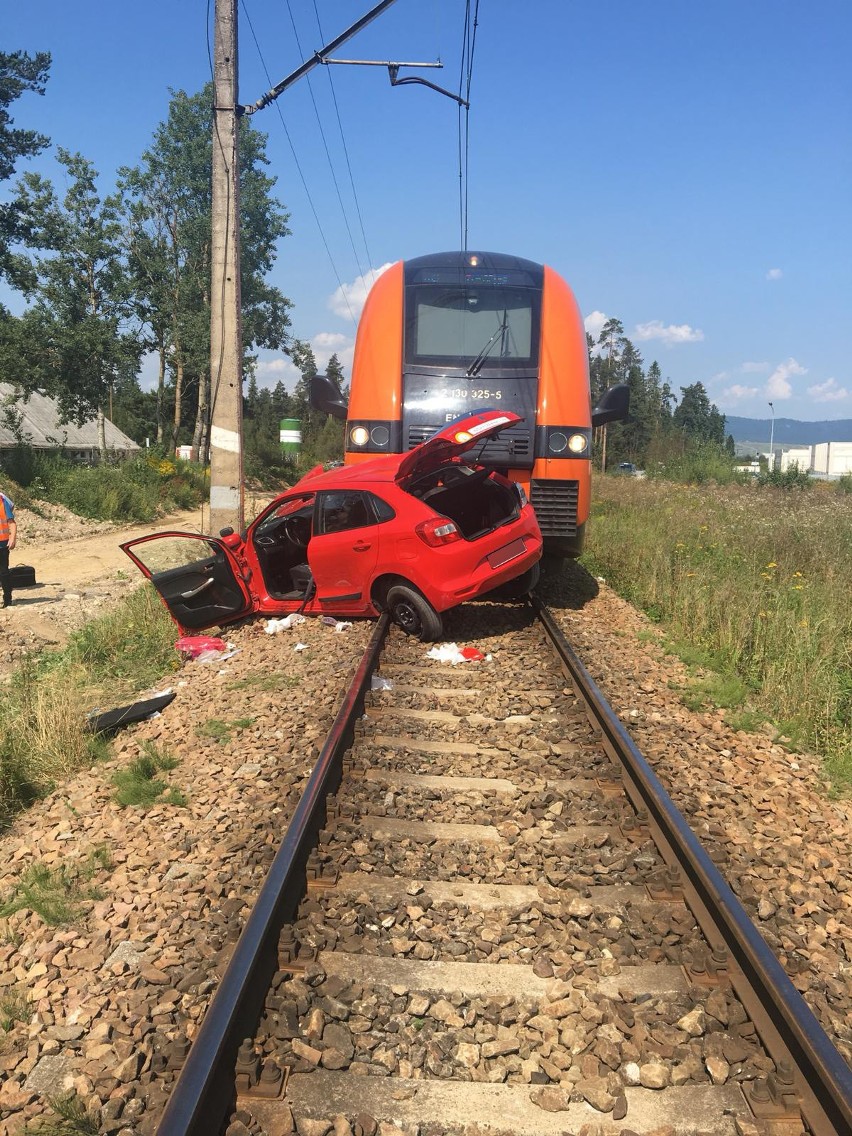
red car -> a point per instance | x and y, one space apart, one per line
414 534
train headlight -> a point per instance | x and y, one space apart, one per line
566 442
380 436
359 436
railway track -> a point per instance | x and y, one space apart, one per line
486 912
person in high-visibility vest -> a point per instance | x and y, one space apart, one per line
8 538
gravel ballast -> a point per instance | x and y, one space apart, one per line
111 995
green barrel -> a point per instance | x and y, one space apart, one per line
290 435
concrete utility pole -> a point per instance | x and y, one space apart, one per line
226 340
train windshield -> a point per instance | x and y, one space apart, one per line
460 326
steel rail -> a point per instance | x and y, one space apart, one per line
769 996
204 1092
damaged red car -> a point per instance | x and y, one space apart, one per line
414 534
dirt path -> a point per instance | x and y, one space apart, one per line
80 568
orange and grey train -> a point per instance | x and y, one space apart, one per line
456 332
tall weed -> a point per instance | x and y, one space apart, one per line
135 489
759 578
43 726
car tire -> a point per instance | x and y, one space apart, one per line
413 613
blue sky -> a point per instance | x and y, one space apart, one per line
686 167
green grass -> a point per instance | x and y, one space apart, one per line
14 1007
43 734
264 682
56 895
750 585
71 1119
220 731
137 489
138 785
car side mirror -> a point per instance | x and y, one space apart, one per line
325 396
614 405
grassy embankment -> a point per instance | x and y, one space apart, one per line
752 586
139 489
43 735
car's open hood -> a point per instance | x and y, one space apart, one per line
454 440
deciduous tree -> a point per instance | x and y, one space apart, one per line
19 72
167 206
77 341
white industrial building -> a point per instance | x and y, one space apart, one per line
795 456
832 458
825 459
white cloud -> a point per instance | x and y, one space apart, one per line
281 369
269 372
330 341
348 300
774 274
737 393
828 391
754 368
593 323
327 343
669 334
778 384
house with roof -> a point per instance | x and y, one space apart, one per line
35 421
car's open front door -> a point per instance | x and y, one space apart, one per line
197 577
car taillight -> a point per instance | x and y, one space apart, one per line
437 531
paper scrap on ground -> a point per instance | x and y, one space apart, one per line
273 626
452 653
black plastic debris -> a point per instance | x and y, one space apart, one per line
101 721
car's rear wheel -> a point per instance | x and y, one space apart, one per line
413 613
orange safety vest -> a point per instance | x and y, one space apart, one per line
6 516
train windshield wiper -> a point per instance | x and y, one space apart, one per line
476 365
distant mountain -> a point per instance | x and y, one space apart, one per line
788 431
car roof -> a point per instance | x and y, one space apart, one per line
382 468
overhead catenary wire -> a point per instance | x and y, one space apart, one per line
325 145
300 172
346 154
465 79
